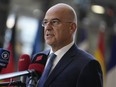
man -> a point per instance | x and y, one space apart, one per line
72 67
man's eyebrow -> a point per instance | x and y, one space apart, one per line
55 19
51 19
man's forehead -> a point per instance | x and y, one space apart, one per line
53 15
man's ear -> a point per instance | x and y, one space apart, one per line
73 28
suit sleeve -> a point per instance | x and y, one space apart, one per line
91 75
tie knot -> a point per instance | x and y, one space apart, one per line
52 56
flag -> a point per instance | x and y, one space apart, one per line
111 73
99 53
38 42
9 45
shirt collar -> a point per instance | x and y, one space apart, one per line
64 49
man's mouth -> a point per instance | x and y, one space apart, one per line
49 35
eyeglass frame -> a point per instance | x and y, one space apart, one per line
53 22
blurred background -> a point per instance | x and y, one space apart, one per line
21 31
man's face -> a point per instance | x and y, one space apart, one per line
57 30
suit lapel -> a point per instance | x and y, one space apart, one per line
63 63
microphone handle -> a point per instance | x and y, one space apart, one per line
32 82
23 78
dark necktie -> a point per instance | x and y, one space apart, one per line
46 70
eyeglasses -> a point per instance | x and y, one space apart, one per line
53 22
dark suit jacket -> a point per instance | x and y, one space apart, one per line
77 68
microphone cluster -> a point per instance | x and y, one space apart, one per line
29 71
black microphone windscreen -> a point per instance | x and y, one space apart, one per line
40 58
4 57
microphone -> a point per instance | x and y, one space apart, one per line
23 64
40 58
38 63
13 75
16 74
34 71
4 58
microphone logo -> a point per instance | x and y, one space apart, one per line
5 55
39 58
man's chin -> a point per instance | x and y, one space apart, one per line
49 43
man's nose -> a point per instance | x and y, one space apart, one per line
48 26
